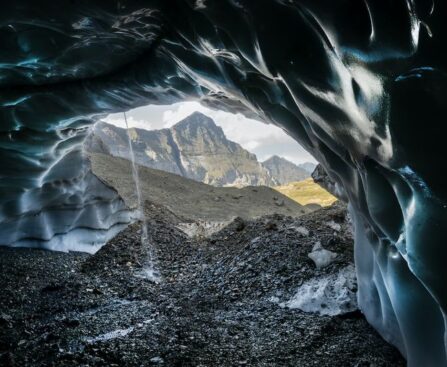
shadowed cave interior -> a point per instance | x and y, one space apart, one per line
361 85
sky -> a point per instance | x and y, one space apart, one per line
264 140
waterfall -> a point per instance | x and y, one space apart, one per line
149 271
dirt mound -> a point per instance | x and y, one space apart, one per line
192 200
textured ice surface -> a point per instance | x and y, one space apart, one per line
53 200
329 295
362 85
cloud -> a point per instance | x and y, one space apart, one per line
179 111
117 119
253 144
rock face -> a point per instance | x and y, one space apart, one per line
320 177
195 148
284 171
361 85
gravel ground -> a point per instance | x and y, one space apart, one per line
191 199
220 301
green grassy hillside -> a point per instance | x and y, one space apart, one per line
307 192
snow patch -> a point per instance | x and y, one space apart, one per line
330 295
320 256
334 226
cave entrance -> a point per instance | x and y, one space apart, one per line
247 168
232 245
206 173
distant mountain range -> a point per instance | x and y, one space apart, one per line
284 171
198 149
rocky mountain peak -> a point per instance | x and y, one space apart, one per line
195 148
284 171
276 159
196 119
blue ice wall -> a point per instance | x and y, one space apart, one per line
360 84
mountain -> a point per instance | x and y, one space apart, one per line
195 148
308 166
284 171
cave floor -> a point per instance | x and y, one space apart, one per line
217 303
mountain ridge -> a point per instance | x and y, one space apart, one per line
195 148
284 171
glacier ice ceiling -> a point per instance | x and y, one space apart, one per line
362 85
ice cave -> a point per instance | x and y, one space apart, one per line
362 85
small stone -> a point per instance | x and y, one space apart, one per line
279 202
5 319
157 360
240 224
271 226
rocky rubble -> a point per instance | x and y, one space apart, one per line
221 301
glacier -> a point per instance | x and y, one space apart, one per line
360 84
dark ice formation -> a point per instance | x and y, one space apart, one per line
320 176
362 85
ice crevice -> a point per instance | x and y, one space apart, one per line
361 86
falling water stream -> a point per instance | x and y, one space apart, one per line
149 271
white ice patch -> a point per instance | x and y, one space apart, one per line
120 333
320 256
334 226
202 228
329 295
